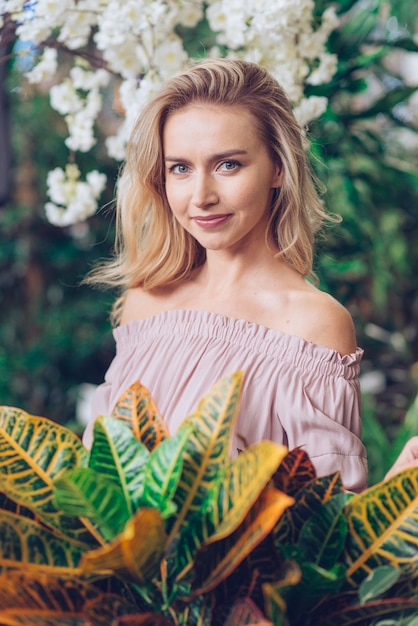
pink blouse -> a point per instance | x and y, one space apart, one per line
295 392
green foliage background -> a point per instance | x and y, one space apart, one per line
55 334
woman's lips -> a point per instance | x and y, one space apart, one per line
211 221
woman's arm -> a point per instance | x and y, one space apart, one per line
407 458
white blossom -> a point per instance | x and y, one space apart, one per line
309 109
45 68
96 181
73 200
35 32
170 57
77 26
83 79
64 98
13 6
325 70
52 10
81 135
189 13
116 144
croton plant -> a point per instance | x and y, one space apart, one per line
151 529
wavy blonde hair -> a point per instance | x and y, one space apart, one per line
152 249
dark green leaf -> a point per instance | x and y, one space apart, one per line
377 582
322 537
162 472
82 492
120 457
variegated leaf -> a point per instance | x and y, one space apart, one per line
162 473
135 553
34 451
25 544
207 451
137 408
6 504
323 535
85 493
383 526
241 484
118 455
224 557
295 472
308 501
234 493
30 596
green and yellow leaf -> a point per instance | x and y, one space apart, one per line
383 526
236 491
222 558
34 451
242 483
136 553
118 455
207 450
84 493
25 544
27 598
162 473
137 408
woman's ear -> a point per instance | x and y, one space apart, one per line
278 177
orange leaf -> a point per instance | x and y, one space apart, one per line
137 407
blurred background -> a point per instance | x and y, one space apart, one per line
55 335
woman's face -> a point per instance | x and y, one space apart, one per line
219 175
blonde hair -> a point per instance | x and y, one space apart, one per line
152 249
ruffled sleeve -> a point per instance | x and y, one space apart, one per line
320 409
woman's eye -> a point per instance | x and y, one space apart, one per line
179 168
229 166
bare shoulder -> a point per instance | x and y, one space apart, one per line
139 304
325 321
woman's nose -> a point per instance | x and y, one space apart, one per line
205 194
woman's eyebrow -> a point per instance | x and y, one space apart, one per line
215 157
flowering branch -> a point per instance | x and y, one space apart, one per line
129 47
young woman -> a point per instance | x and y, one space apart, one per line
217 211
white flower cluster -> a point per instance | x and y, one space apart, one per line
280 35
72 199
132 46
79 100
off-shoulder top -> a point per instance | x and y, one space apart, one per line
294 392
